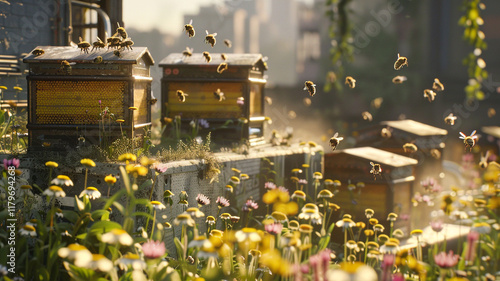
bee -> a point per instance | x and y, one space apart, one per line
450 119
127 43
335 140
269 100
120 30
350 81
469 141
98 59
84 45
429 94
386 133
188 52
223 57
483 163
491 112
210 38
400 62
437 86
66 66
221 67
46 144
98 44
410 148
219 95
207 56
181 95
376 170
399 79
435 153
38 52
310 87
367 116
377 102
189 29
113 41
117 53
228 43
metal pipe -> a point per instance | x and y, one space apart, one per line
100 12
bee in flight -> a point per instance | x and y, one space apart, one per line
376 170
219 95
435 153
491 112
410 148
483 163
400 62
181 95
367 116
38 52
223 57
188 52
335 140
469 141
210 38
98 44
228 43
437 85
450 119
121 30
84 46
189 29
429 94
386 133
221 67
310 87
399 79
350 81
207 56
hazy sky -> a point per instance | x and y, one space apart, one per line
166 15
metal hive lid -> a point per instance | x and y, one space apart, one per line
198 59
72 54
414 127
379 156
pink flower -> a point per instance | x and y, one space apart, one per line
387 265
160 167
202 200
273 228
11 162
153 249
444 260
472 238
398 277
269 185
250 205
222 202
437 226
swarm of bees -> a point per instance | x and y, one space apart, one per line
469 141
222 66
219 95
410 148
210 38
429 94
189 29
450 119
376 170
400 62
181 95
399 79
335 140
310 87
350 81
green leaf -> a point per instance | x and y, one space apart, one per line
113 198
98 214
180 249
126 179
100 227
144 214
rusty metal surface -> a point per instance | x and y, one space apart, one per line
414 127
56 54
198 59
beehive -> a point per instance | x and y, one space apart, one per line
69 89
244 78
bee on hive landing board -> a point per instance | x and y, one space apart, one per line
188 52
66 66
429 94
117 53
98 44
350 81
98 59
437 85
469 141
121 30
310 87
181 95
38 52
376 170
367 116
400 62
221 67
113 41
127 43
219 95
84 46
189 29
450 119
210 38
228 43
207 56
410 148
223 57
399 79
483 163
335 140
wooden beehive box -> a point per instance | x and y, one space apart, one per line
490 140
65 102
244 78
390 192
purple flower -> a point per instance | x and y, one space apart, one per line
302 181
202 200
437 226
153 249
273 228
222 202
11 162
203 123
250 205
269 185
